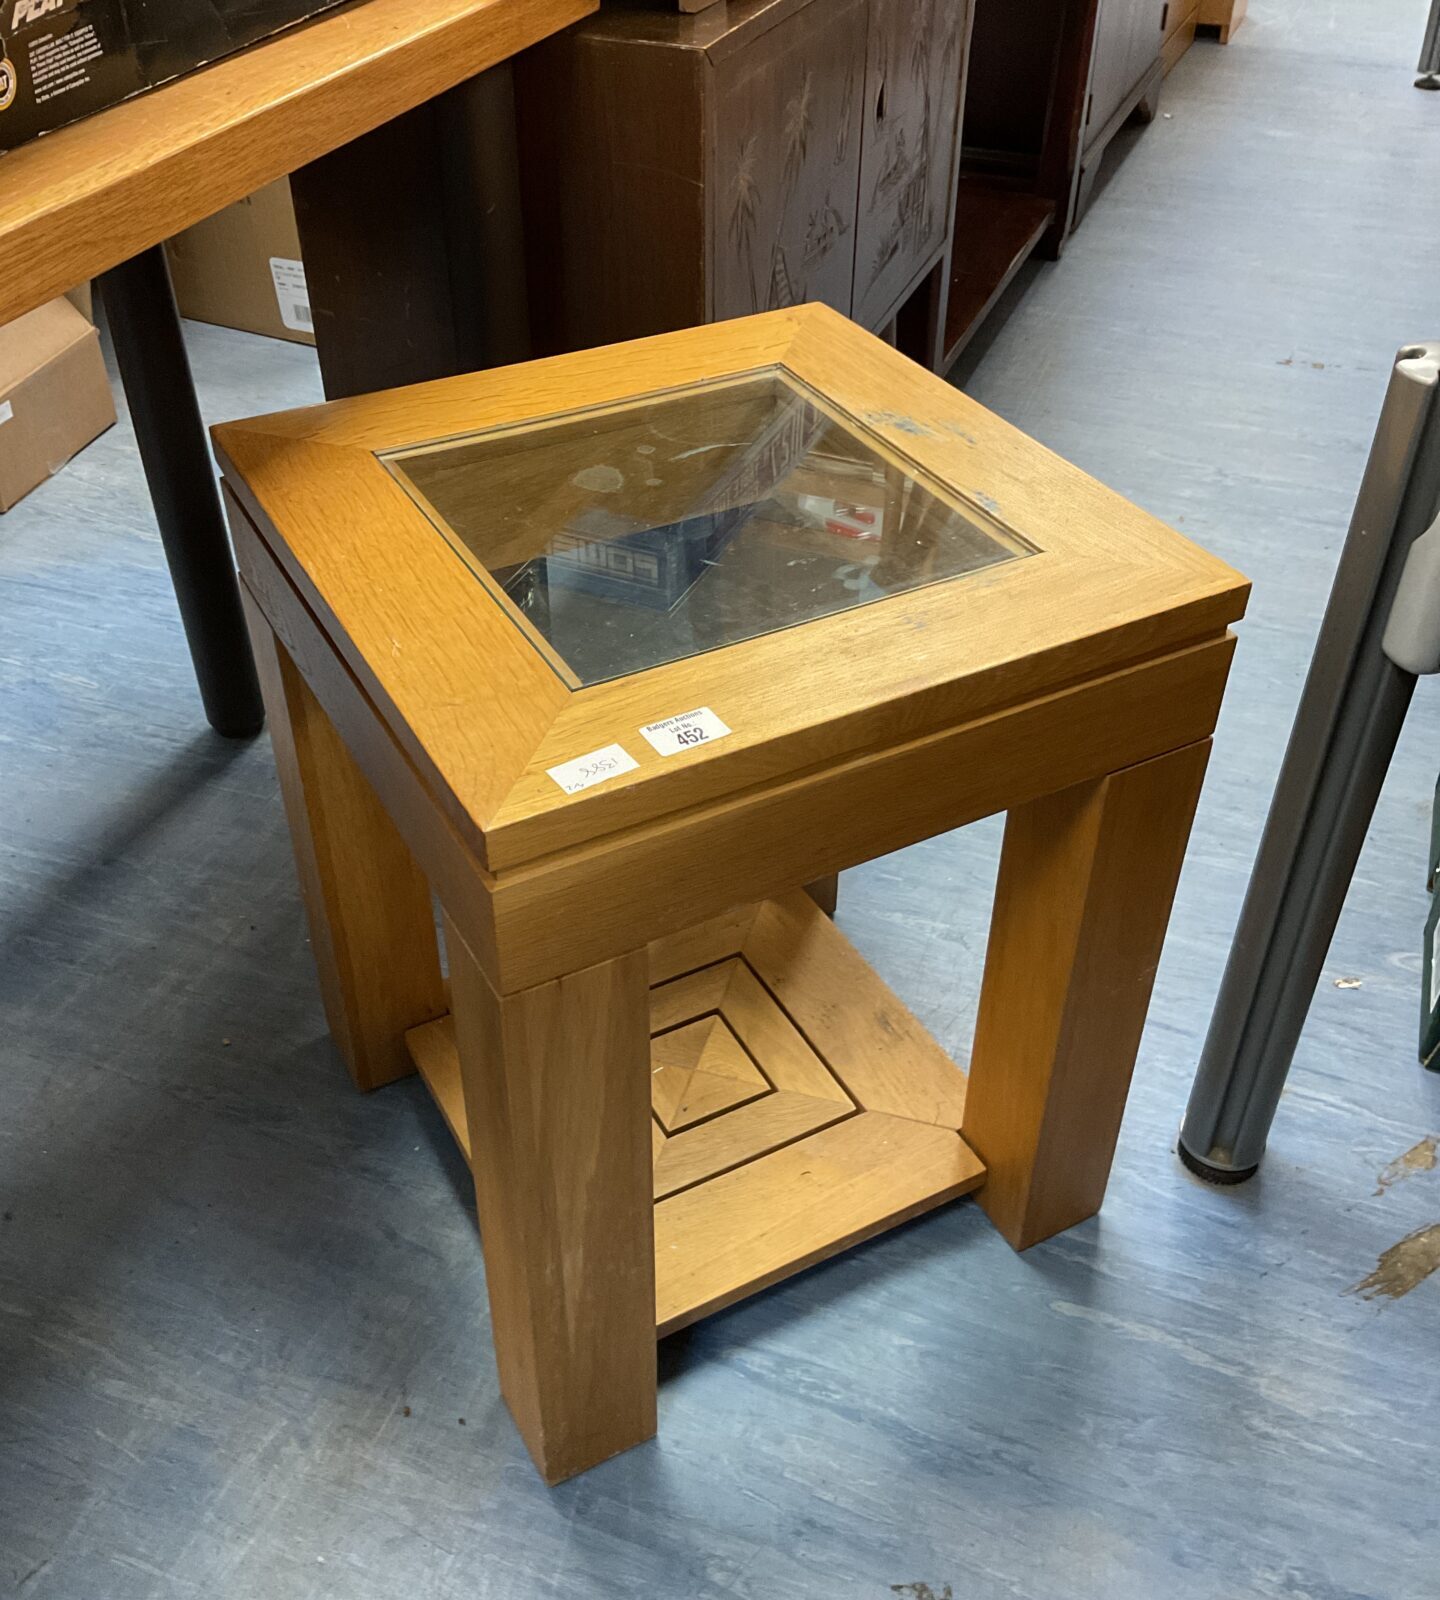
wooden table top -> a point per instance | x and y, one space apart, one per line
77 202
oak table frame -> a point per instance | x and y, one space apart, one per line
344 102
414 724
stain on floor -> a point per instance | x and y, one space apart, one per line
1403 1266
1418 1158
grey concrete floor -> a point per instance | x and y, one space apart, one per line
242 1310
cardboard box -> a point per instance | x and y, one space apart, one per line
241 268
61 60
54 395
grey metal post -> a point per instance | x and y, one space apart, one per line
1429 68
1349 717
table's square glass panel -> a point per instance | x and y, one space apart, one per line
632 535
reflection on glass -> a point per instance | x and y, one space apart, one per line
640 534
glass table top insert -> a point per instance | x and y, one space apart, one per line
671 524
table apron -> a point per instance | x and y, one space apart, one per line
587 904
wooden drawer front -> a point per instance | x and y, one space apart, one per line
912 90
785 145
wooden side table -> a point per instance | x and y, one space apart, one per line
612 653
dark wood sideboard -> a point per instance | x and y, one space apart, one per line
682 169
685 168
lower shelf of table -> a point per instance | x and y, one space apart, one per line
798 1107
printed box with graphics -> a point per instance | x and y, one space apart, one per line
61 60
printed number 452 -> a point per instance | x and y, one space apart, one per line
685 736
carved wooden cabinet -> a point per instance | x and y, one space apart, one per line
681 169
912 93
782 160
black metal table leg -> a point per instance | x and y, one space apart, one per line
175 452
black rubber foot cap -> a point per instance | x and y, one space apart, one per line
1224 1177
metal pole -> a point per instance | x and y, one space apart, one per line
1429 68
150 349
1350 715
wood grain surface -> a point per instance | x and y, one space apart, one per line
372 930
701 943
767 1220
760 843
557 1100
1128 38
790 1116
791 151
698 1070
437 1060
593 281
1081 907
872 1044
77 201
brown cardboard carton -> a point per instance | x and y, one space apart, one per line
54 395
241 268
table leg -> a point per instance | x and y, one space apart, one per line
150 350
557 1101
1086 881
372 926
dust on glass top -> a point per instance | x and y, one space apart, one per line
677 523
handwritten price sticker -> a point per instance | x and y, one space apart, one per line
583 771
691 728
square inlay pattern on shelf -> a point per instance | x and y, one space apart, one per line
699 1070
798 1107
731 1077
